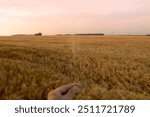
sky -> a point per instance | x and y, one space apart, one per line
74 16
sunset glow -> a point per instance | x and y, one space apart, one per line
74 16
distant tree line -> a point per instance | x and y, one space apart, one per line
38 34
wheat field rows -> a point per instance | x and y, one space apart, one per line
108 67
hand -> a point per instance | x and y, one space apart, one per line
66 92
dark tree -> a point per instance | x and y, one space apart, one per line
38 34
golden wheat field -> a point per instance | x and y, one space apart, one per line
108 67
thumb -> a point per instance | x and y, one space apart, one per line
71 93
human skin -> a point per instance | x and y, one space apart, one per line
65 92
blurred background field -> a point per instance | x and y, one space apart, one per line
108 67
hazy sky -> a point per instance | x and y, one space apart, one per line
74 16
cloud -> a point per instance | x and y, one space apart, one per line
74 15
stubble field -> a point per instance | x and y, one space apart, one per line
108 67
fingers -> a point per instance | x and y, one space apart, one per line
64 89
51 96
71 93
66 92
